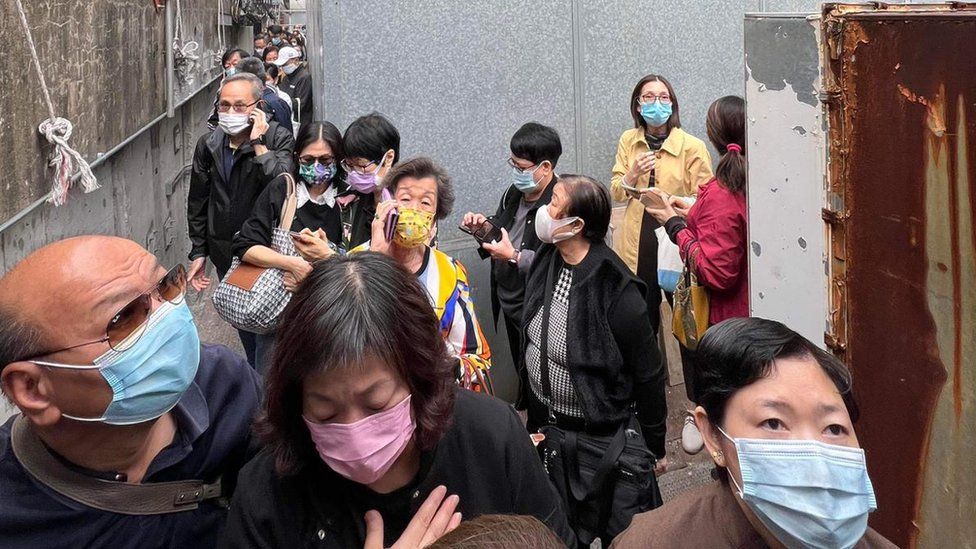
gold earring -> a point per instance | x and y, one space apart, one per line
717 454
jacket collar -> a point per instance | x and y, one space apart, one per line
672 145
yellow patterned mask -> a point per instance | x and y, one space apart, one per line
413 227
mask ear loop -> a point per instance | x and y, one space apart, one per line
740 492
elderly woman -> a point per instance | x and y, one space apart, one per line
421 192
361 416
589 350
777 414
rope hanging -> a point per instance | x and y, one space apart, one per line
67 162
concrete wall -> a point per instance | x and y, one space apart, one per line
104 61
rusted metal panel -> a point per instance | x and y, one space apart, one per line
901 190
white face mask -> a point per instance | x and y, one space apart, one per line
289 68
233 123
545 226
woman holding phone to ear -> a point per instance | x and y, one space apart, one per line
317 225
656 152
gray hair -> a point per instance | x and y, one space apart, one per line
19 339
252 65
420 168
256 83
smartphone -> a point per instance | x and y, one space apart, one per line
486 232
651 200
389 226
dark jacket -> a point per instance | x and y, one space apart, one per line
280 111
212 440
485 457
299 86
357 211
259 228
219 202
707 518
614 360
504 271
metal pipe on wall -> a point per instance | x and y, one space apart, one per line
170 64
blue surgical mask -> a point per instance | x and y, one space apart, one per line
807 493
230 72
276 41
524 181
656 113
149 378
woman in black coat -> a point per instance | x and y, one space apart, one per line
362 413
600 354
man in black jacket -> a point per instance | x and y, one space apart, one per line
535 151
297 82
231 166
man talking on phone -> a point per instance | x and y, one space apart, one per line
231 166
535 151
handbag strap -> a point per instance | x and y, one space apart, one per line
601 477
290 205
546 382
154 498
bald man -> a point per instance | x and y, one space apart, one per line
118 400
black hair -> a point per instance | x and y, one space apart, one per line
326 131
726 126
269 49
260 37
230 53
348 309
590 201
537 143
737 352
639 122
252 65
370 136
420 168
272 70
274 29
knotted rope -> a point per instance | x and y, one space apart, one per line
67 162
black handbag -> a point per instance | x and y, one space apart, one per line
603 480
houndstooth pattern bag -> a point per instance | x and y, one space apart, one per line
252 298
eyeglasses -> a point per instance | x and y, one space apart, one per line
650 98
309 160
126 326
520 169
363 169
238 108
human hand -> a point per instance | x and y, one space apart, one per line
312 246
296 273
661 466
473 221
378 242
433 519
680 206
259 123
502 250
197 274
643 164
662 212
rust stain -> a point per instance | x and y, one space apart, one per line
889 132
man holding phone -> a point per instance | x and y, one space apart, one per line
231 166
509 236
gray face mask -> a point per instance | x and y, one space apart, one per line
289 68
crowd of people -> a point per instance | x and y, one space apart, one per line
365 416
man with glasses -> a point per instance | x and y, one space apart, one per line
231 166
130 432
535 151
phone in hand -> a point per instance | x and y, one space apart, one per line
488 231
651 200
389 226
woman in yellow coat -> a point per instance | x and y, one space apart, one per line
656 152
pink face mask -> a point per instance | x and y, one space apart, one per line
365 450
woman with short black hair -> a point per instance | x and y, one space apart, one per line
590 354
361 413
777 414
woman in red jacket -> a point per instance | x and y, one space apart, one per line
714 232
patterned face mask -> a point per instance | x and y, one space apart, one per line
413 227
